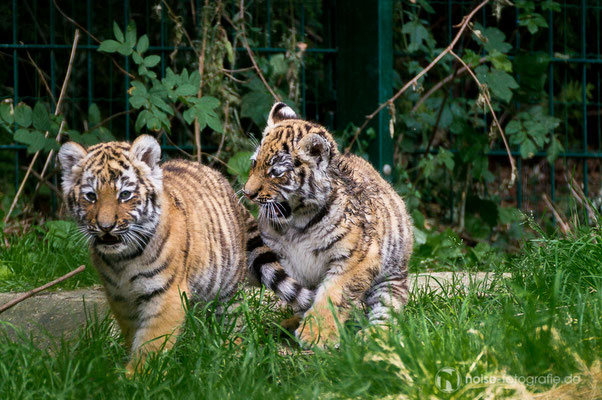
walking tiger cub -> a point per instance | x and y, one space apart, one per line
155 231
334 222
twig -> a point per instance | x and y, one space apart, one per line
440 84
580 196
564 227
43 180
250 52
39 289
414 80
56 112
513 172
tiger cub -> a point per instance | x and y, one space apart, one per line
335 223
156 231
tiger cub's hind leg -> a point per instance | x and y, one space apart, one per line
386 296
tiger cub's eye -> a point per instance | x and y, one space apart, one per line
90 196
125 195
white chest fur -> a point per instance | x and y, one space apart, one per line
298 257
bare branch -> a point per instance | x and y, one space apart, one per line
39 289
513 173
414 80
564 226
440 84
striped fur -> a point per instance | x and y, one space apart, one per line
336 224
156 231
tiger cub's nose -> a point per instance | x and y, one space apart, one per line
106 227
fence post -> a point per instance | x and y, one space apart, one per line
364 31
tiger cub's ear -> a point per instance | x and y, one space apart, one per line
69 155
315 148
146 149
280 112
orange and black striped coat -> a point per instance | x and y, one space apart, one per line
336 225
156 231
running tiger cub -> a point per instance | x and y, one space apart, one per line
155 231
334 222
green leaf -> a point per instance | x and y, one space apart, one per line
125 49
41 118
142 44
279 65
153 123
93 115
138 101
160 103
446 158
130 34
209 102
189 115
141 120
117 32
104 134
51 144
34 140
418 33
500 61
533 22
186 90
493 39
6 112
427 7
137 58
214 122
138 89
499 82
554 150
151 61
239 165
109 46
74 135
527 149
23 115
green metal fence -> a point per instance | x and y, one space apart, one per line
345 38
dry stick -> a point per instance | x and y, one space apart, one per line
440 84
412 82
580 196
564 227
493 114
250 52
43 180
56 112
39 289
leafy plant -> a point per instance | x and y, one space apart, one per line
158 99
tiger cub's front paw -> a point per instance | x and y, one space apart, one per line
312 334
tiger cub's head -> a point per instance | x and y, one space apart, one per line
289 170
113 191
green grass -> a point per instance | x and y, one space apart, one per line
42 254
545 320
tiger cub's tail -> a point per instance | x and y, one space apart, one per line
265 267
